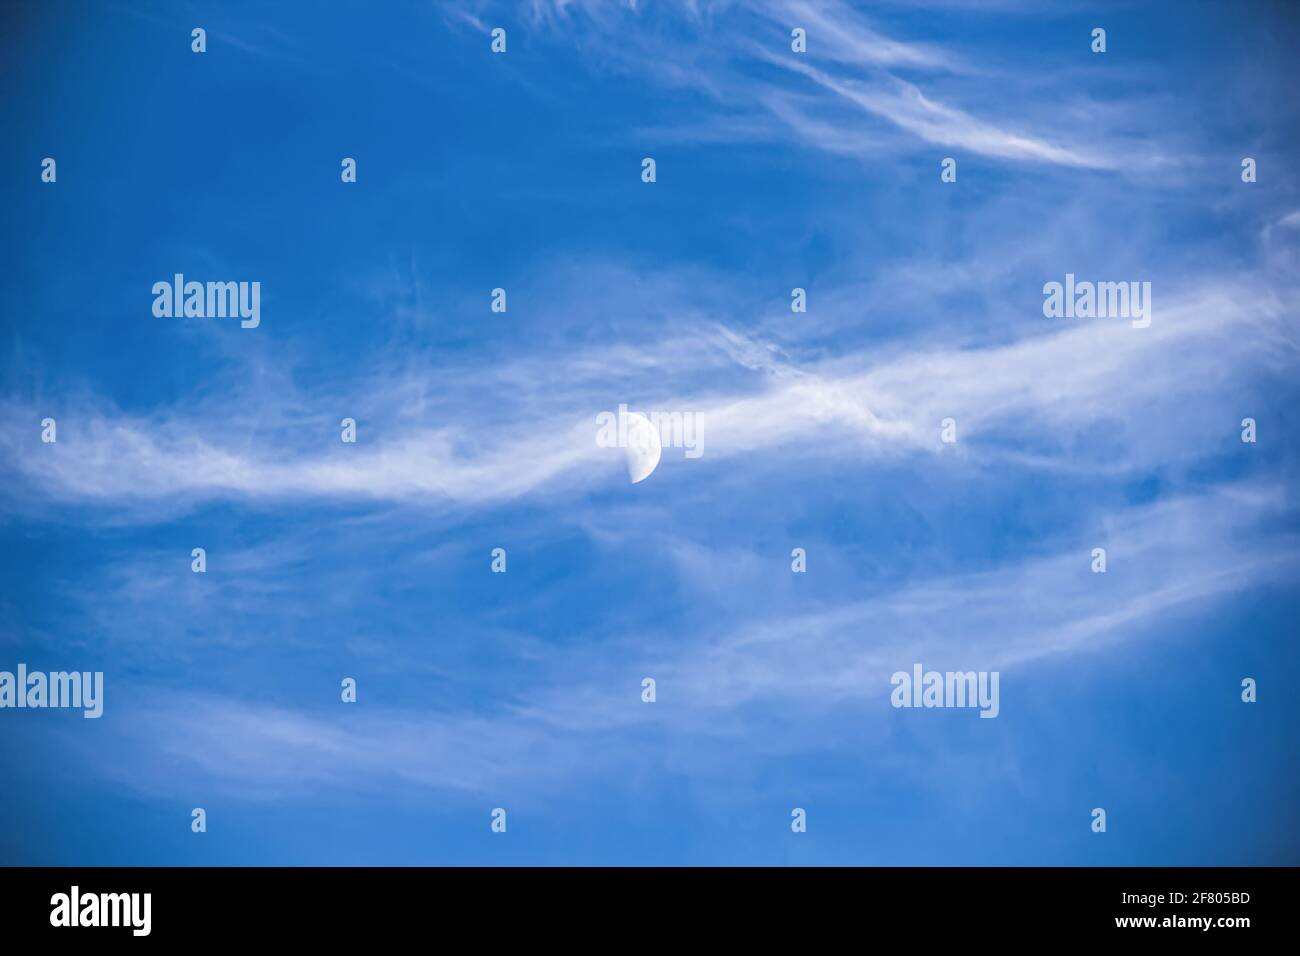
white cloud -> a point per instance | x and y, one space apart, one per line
1069 376
720 690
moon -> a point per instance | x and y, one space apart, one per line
643 447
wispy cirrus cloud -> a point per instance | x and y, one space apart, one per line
903 104
1049 386
719 690
856 72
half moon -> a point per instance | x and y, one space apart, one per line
643 447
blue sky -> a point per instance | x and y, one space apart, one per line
476 430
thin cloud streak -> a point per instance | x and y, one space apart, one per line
1048 386
1168 559
856 63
